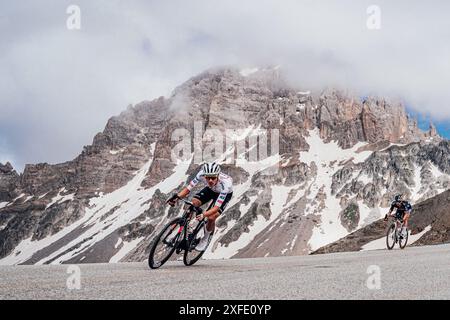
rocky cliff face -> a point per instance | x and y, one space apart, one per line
340 159
8 182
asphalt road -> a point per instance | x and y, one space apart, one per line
413 273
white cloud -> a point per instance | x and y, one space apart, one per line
59 87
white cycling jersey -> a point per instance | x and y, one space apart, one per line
223 186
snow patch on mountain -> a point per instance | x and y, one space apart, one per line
127 246
300 191
60 199
293 242
42 195
119 241
328 158
324 153
248 71
18 197
415 191
278 202
114 152
25 249
225 252
415 237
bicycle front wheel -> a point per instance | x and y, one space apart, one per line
403 240
390 237
191 255
165 244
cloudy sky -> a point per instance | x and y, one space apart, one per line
59 86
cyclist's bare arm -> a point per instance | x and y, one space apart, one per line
183 193
186 190
389 213
173 200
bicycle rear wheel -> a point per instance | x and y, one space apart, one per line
390 237
403 240
191 255
165 244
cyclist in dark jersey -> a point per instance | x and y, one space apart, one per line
219 189
404 210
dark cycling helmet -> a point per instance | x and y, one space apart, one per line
211 169
398 197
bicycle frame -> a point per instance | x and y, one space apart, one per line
399 223
189 211
398 226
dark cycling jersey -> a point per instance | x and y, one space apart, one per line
401 206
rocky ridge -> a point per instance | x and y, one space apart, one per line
340 159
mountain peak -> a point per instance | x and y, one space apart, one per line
6 168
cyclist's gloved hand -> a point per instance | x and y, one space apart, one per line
173 200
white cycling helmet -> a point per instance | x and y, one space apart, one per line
211 169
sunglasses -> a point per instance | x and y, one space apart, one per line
211 178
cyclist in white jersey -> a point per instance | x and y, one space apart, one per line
219 189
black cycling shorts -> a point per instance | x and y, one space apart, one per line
400 214
206 194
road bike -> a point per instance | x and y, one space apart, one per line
394 233
180 234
